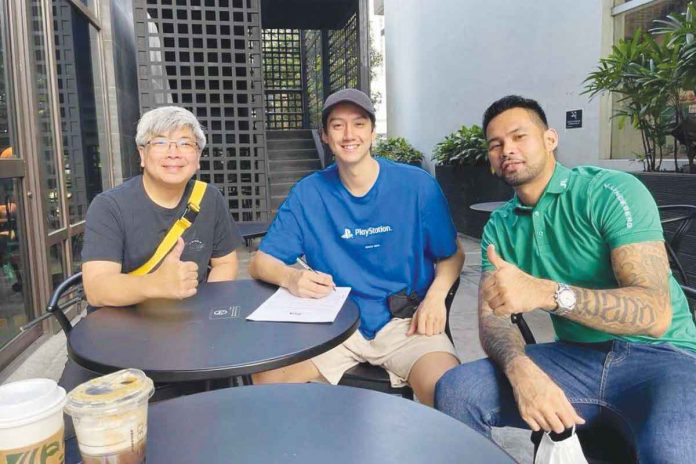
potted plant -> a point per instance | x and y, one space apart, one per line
654 75
397 149
463 171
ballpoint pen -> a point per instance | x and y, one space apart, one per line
304 264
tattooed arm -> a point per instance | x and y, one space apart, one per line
542 403
640 306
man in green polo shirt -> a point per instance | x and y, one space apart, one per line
585 245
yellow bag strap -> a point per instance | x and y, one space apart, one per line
184 222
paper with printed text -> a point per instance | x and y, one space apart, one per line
283 306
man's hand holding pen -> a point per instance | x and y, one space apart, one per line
308 283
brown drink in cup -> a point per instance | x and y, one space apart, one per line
31 422
110 417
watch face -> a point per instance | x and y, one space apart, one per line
566 298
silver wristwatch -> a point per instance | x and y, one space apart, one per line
565 300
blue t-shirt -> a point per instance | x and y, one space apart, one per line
379 244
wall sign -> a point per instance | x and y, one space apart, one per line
573 119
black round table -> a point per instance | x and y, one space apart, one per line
204 337
309 423
487 207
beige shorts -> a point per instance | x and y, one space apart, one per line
391 349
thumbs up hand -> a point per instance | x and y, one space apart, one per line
176 279
510 290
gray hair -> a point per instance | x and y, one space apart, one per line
165 119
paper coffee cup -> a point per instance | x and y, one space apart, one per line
31 422
110 417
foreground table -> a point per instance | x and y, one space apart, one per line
204 337
309 423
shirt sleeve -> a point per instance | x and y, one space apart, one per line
227 237
104 234
284 239
488 238
624 211
439 232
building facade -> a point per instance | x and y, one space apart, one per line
447 61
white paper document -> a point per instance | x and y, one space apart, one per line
283 306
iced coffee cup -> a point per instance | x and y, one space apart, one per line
110 417
31 422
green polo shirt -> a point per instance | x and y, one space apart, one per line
568 236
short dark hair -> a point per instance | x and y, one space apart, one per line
510 102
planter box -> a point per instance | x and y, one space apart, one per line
676 189
466 185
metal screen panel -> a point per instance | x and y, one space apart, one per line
313 77
344 56
205 55
282 73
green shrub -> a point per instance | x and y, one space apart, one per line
397 149
465 147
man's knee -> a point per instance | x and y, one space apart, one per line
302 372
467 389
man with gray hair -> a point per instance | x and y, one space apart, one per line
125 225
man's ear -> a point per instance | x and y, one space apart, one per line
141 153
550 140
323 136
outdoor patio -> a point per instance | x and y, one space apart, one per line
48 355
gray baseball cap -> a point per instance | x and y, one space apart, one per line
354 96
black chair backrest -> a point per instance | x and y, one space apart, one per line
690 293
448 305
677 221
72 283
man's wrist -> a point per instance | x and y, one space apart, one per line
548 294
516 365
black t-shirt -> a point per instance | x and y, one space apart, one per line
125 226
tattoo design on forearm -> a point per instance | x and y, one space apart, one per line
500 339
641 271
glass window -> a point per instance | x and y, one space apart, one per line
79 114
56 265
626 141
76 242
48 161
14 312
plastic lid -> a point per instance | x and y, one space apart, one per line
114 392
29 400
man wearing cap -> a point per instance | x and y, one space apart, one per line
381 228
586 246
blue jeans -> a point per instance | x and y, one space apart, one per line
648 390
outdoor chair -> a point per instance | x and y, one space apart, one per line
71 292
365 375
690 293
678 220
600 444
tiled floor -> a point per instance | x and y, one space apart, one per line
47 357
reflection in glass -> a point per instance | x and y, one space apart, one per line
13 311
55 265
78 107
48 164
76 247
626 140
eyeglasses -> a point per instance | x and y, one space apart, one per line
161 145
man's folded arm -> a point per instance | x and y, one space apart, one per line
106 285
302 283
641 305
224 268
